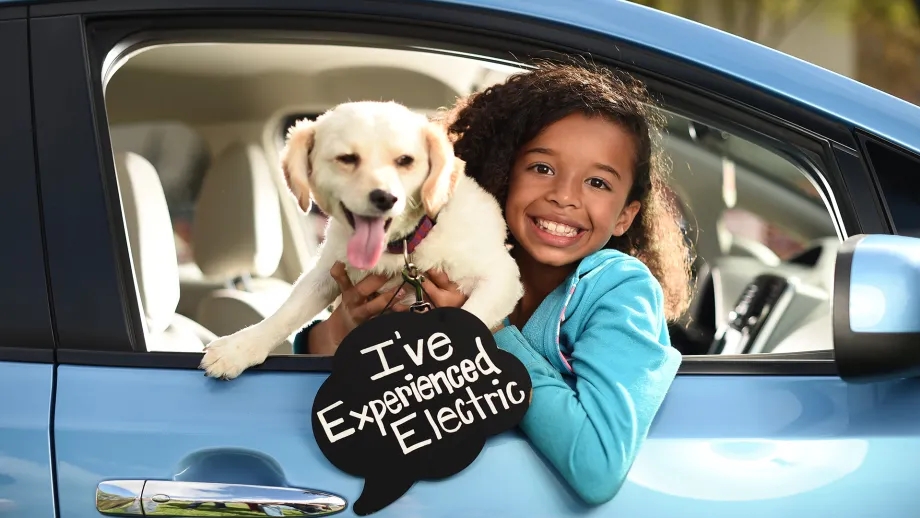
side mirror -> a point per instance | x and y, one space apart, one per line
876 308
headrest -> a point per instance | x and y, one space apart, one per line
150 234
237 228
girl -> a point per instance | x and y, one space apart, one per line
568 152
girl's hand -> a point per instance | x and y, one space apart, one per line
439 288
360 302
442 291
443 294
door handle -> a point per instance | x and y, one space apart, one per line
177 498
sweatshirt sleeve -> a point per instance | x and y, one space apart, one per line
623 366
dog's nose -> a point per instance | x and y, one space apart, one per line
382 199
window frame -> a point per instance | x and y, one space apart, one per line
25 320
111 330
865 138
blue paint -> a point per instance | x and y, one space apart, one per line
819 89
25 455
721 447
806 84
885 285
728 446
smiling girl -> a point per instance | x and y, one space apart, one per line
568 152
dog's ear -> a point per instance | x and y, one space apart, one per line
295 161
443 170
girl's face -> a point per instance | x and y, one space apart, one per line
568 188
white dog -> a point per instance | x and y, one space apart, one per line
383 174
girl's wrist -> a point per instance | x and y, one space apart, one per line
320 339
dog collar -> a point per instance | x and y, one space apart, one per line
412 240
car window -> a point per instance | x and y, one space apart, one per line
181 157
898 173
745 208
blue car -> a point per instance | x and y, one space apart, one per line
138 144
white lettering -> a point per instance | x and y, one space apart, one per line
446 414
391 401
437 432
362 417
378 413
400 437
468 368
442 341
387 370
459 380
474 399
327 427
483 357
466 418
417 356
511 397
424 387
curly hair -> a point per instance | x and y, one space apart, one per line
488 128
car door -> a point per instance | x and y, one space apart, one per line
762 435
26 337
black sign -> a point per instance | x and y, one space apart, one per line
414 396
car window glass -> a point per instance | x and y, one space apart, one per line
208 121
898 174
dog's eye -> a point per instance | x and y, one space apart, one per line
350 159
404 161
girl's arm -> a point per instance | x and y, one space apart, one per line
623 366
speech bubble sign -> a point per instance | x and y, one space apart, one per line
414 397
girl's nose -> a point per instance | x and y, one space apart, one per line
565 192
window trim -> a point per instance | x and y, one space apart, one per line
714 97
864 137
26 320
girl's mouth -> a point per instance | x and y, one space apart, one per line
555 233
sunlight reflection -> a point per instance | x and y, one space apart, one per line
744 469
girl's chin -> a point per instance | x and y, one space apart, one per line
552 256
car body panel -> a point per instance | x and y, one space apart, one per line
727 445
26 489
722 446
819 89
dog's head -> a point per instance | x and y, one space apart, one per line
376 165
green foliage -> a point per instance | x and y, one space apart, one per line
769 21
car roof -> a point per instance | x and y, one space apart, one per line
809 85
802 82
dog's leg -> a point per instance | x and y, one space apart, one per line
229 356
494 296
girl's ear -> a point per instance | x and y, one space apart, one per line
626 217
295 161
443 170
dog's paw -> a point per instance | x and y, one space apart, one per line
227 357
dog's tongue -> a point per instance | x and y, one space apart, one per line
366 245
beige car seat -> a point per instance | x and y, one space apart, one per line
153 257
238 240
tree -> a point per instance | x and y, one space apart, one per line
887 31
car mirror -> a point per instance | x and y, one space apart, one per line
876 308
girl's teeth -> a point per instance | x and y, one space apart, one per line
557 229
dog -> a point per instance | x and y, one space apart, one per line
387 178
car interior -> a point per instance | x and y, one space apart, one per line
217 242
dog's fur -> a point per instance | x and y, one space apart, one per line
467 242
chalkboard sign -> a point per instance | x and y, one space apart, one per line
415 396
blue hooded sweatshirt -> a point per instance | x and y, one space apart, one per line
601 362
600 358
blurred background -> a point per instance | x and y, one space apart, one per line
876 42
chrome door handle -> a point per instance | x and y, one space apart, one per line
176 498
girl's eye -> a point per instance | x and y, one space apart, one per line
597 183
542 169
